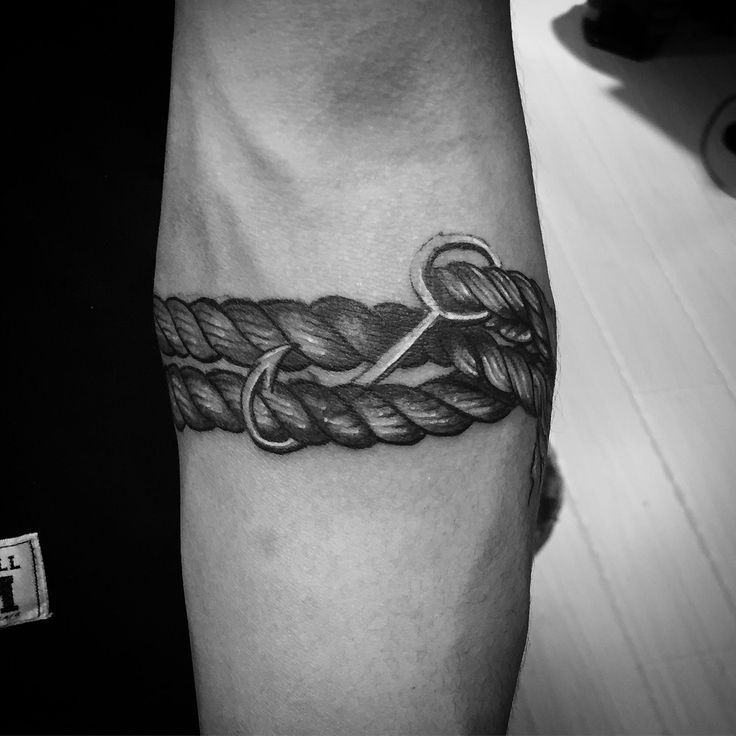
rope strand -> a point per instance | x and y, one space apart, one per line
349 415
339 334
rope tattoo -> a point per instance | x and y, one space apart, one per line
318 373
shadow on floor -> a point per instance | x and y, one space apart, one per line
678 90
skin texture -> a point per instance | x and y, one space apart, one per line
312 147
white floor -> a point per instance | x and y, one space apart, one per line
634 598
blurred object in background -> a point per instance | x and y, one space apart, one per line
637 29
687 85
719 146
550 501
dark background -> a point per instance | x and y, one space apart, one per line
92 461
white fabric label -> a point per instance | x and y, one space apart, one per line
23 594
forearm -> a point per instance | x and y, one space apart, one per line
297 137
311 153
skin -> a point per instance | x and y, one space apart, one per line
312 148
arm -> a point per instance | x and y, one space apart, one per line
357 545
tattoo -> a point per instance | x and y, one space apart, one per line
479 346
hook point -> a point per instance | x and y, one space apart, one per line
264 369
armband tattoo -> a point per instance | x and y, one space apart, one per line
478 347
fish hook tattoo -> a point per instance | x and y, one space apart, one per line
318 373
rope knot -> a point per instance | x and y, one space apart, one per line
440 294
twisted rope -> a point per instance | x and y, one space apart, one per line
498 365
340 334
349 415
